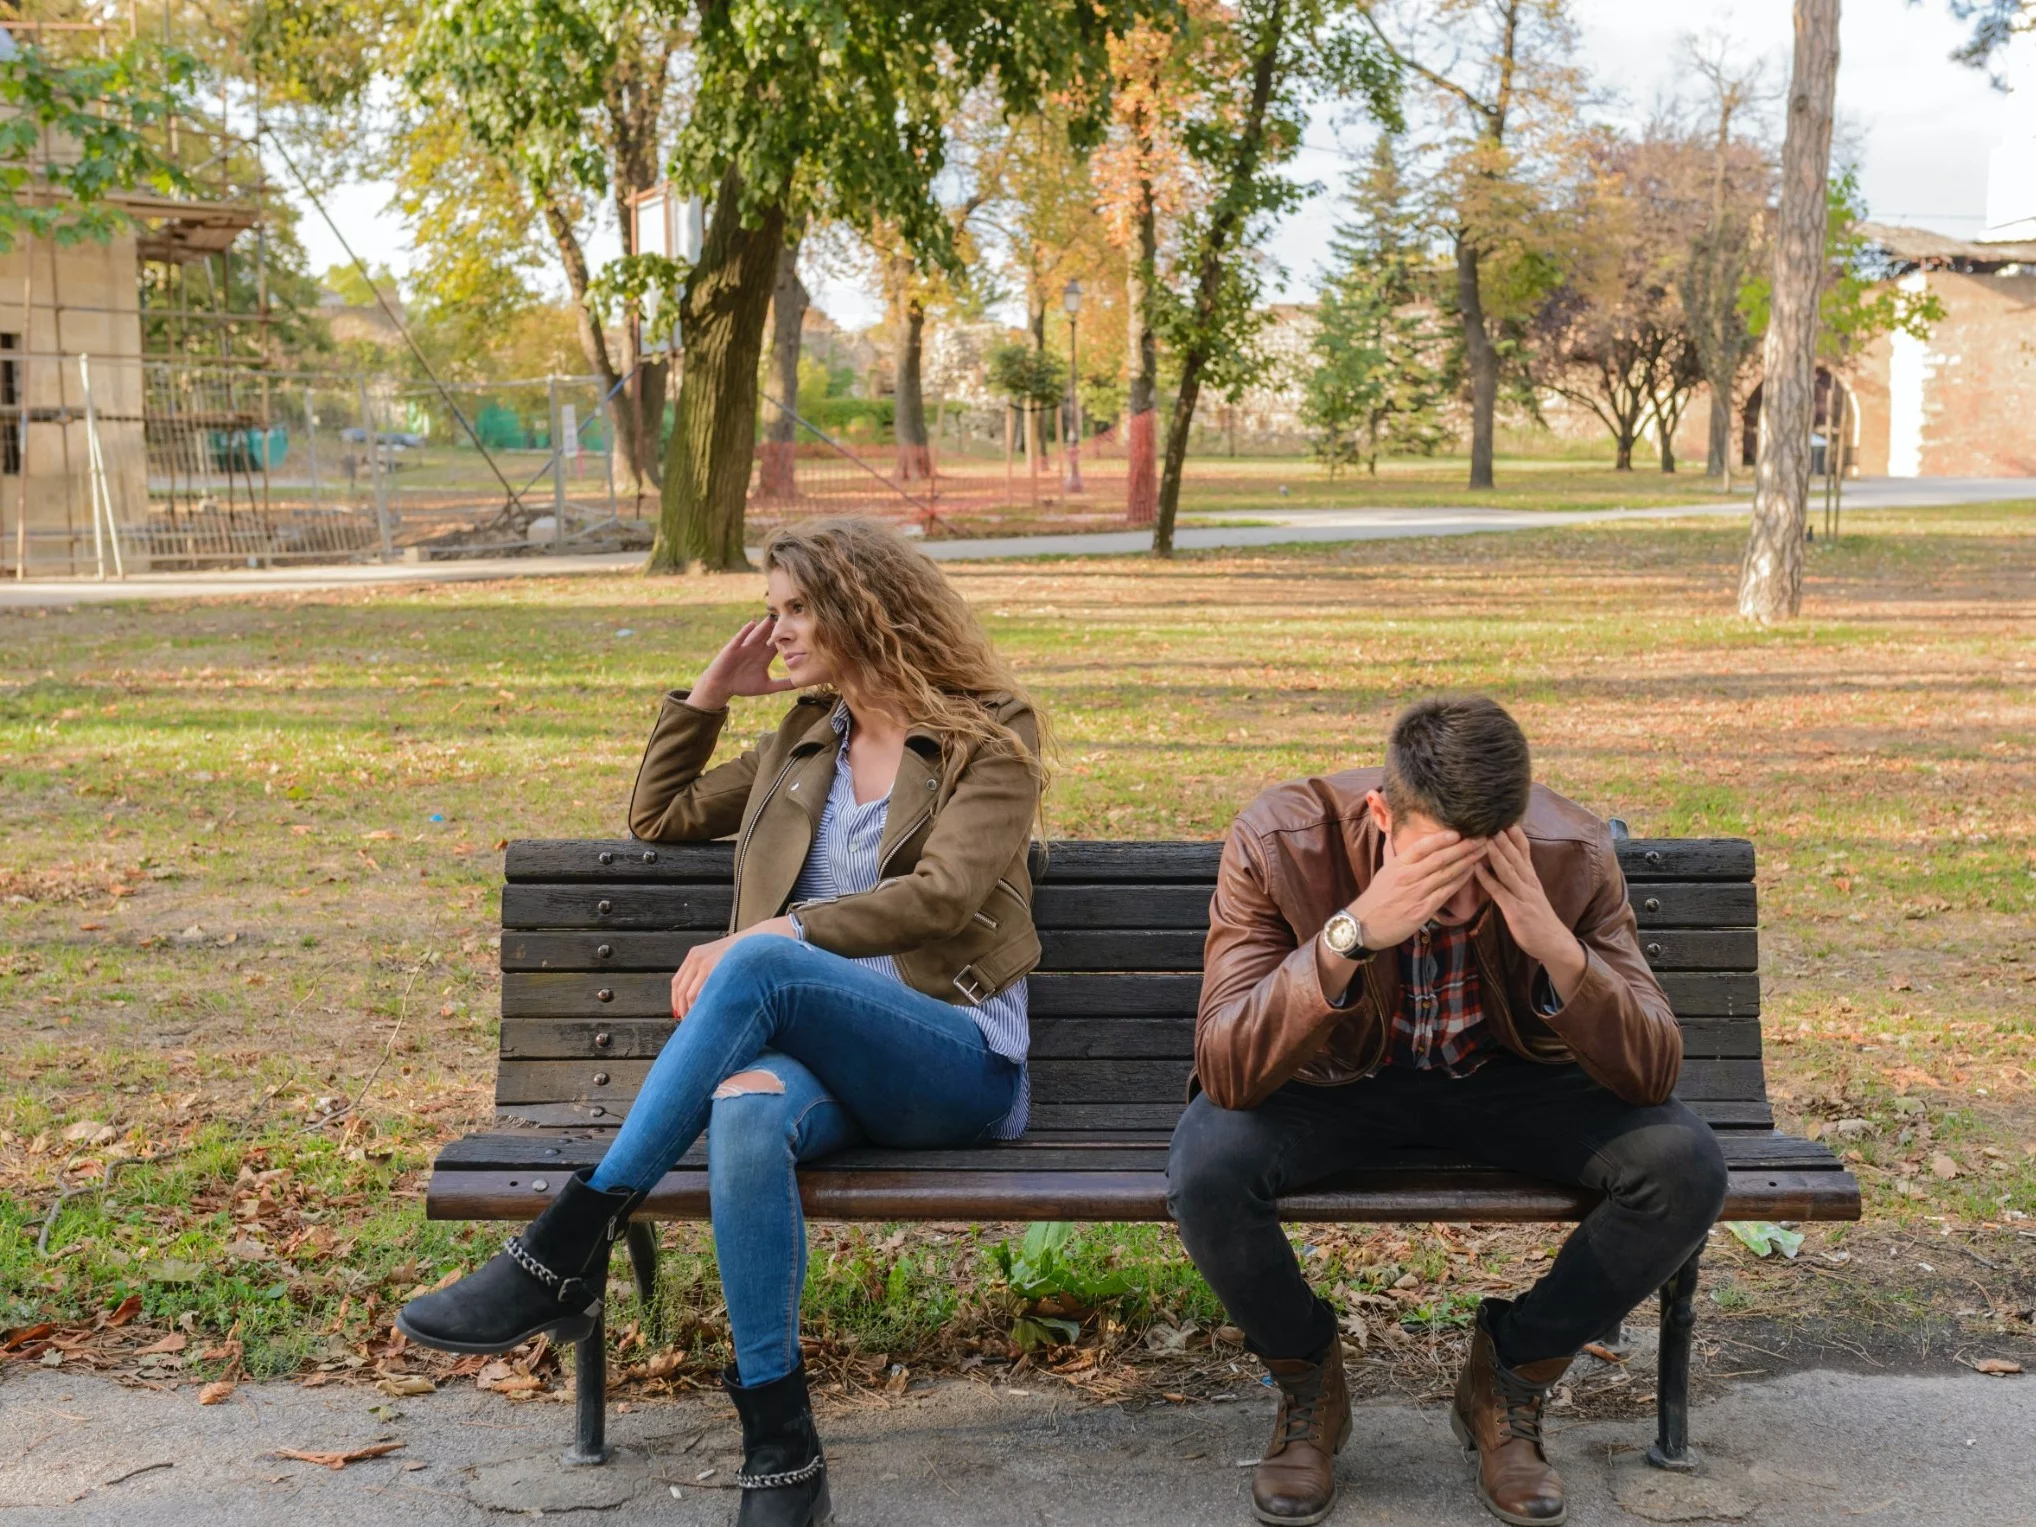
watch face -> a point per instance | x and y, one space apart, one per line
1341 932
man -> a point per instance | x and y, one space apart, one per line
1438 953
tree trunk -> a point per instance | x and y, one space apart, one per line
1177 428
908 421
1668 450
1622 460
593 343
777 477
1223 227
1718 445
1035 324
707 465
1771 577
1481 359
1141 483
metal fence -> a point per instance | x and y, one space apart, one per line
128 463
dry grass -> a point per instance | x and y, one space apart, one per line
228 905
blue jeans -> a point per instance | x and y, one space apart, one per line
790 1053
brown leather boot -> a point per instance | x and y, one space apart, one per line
1497 1417
1295 1483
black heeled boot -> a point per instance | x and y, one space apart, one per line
551 1278
784 1476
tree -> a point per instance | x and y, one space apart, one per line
1375 383
571 101
1723 252
104 111
837 110
1258 62
1995 24
1143 181
777 470
1511 88
1771 575
1032 379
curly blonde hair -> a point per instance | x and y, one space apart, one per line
881 606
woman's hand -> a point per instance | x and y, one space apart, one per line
700 961
743 667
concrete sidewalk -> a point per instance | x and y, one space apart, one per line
1815 1447
1277 527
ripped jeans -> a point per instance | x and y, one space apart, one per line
791 1053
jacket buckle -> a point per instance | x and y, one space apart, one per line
970 985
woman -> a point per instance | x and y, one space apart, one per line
872 988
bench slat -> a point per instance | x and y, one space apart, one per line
579 859
623 1038
1119 1196
548 994
1089 1120
1669 904
535 1150
1109 1080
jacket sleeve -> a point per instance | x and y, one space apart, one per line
674 801
1618 1023
983 827
1264 1012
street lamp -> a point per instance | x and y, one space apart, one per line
1071 300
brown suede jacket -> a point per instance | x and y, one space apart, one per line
954 906
1306 849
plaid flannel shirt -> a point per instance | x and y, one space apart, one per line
1440 1025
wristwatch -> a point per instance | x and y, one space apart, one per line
1344 934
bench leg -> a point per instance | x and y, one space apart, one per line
1671 1449
643 1262
590 1396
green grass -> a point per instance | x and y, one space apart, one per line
226 909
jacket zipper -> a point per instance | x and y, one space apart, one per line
742 848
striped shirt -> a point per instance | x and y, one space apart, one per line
1441 1022
844 862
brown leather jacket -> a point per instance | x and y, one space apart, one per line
954 906
1305 849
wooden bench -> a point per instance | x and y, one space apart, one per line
591 932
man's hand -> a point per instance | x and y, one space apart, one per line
1411 886
700 961
1507 874
742 667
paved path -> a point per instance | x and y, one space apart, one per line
1288 527
1812 1448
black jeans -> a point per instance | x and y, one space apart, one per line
1659 1169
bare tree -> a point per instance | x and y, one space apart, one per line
1503 67
1771 577
1723 250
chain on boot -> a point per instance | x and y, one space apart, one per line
550 1278
784 1474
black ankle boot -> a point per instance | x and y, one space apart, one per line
549 1278
783 1478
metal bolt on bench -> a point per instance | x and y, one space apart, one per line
591 932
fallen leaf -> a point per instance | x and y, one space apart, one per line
380 834
245 1250
89 1132
407 1384
1943 1166
91 927
176 1341
338 1460
1602 1353
214 1392
126 1311
1999 1367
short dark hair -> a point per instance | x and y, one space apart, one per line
1463 762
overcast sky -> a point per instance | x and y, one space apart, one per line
1922 126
